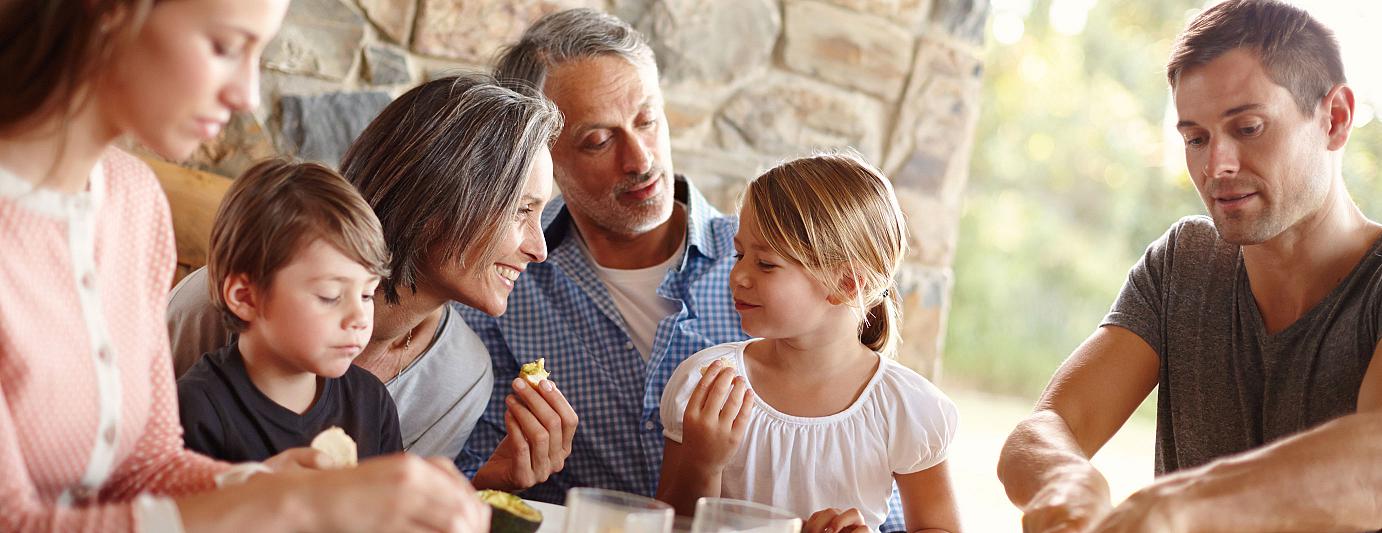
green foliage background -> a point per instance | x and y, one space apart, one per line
1069 183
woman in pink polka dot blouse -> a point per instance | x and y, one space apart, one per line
89 434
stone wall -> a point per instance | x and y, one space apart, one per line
747 83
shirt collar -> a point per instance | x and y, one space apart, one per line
54 204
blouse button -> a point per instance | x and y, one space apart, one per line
109 435
89 281
104 353
649 425
83 493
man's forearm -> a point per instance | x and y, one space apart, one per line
1325 479
1040 451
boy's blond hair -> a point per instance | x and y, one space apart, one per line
838 217
275 209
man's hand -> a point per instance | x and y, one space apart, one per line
1143 512
835 521
1070 503
716 417
541 426
1044 465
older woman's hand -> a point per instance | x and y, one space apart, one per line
541 425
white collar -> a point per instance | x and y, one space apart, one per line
52 203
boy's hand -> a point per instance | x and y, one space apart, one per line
303 458
835 521
716 417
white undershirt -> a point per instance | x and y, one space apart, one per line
634 293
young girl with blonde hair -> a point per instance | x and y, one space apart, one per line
813 415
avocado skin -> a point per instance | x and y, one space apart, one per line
506 510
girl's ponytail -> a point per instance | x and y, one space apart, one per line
880 329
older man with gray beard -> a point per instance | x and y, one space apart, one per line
637 273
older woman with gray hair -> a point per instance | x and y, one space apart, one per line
458 171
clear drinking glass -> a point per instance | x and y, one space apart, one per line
590 510
723 515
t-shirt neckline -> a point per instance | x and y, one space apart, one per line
845 413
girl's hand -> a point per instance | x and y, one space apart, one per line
716 417
835 521
541 426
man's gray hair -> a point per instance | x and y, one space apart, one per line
568 35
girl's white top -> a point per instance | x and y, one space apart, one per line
900 424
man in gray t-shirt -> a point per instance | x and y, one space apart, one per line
1226 382
1258 323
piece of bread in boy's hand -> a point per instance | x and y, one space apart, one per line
338 446
726 361
535 372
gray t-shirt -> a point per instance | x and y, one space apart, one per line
1226 386
439 396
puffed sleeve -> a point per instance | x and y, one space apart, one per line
926 421
682 383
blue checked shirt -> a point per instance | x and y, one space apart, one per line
561 310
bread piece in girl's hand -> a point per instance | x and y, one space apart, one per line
534 372
336 444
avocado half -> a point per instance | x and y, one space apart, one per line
510 514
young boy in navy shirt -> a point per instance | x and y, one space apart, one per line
295 256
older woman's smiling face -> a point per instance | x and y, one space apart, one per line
484 282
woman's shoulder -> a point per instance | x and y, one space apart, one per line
457 339
125 173
456 360
132 191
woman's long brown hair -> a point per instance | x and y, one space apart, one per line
51 49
